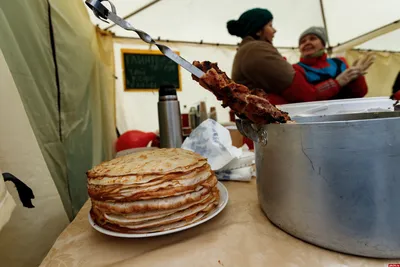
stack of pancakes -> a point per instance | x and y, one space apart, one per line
152 191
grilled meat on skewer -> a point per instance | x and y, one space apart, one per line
247 104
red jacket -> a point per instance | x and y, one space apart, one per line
303 91
396 96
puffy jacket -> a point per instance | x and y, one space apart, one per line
315 80
258 64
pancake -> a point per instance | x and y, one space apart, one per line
171 218
158 161
151 204
150 215
116 228
179 184
145 180
175 189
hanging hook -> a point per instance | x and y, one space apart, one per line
99 10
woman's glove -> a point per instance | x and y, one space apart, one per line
364 62
349 75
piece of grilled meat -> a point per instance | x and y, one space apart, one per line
247 104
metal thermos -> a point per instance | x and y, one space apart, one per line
202 112
169 118
193 118
213 113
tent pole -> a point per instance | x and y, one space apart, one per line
375 50
135 12
366 37
325 26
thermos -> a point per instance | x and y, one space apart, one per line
213 113
169 117
202 112
193 118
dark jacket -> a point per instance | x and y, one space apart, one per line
258 64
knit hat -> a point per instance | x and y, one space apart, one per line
317 31
250 22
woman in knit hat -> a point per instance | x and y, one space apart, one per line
325 78
257 63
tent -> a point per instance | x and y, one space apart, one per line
62 94
198 30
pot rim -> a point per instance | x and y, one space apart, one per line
344 118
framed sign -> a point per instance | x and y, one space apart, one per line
146 70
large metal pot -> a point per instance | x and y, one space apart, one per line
334 181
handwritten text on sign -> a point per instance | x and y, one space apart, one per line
148 70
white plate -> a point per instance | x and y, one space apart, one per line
223 200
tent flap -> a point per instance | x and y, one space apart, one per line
87 90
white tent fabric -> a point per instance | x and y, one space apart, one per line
348 19
189 20
196 20
387 42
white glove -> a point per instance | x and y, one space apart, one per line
364 62
349 75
